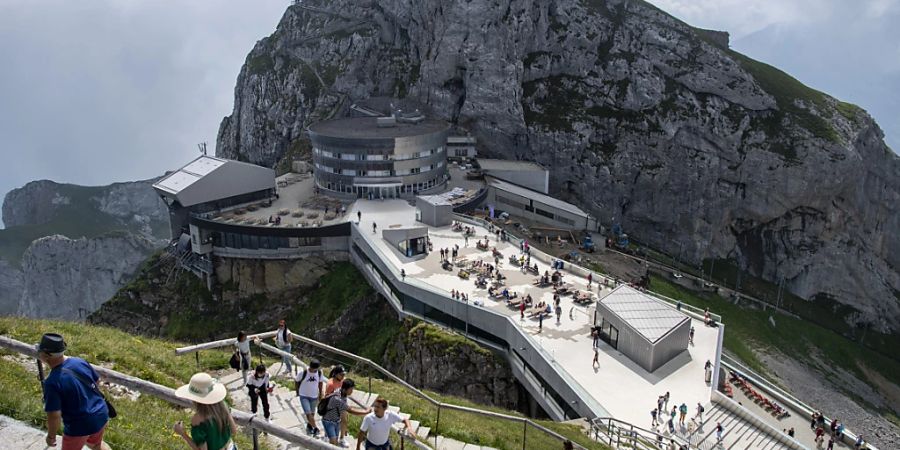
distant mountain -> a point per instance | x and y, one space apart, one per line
66 249
645 121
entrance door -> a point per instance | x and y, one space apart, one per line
613 337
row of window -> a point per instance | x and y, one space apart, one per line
379 173
388 192
377 157
253 242
530 208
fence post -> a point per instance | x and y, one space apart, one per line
609 430
197 357
524 432
40 367
255 439
437 423
632 436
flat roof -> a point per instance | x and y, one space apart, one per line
436 200
651 318
180 179
536 196
367 127
506 164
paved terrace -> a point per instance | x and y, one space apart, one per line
623 388
297 205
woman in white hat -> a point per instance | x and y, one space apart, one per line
212 425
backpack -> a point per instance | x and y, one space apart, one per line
322 407
302 379
702 409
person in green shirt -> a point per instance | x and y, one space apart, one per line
212 425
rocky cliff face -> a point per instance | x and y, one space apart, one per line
643 120
70 278
66 249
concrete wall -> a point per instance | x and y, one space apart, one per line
538 180
578 222
671 345
747 416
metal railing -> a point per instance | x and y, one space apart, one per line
623 434
168 394
526 423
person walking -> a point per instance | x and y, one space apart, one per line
374 227
211 425
700 410
596 363
242 348
336 410
283 340
558 312
541 322
666 401
859 442
72 398
358 217
691 336
258 388
466 240
310 387
653 421
682 410
522 310
590 279
719 431
375 429
335 381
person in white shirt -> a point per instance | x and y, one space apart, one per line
258 388
242 348
375 430
283 339
310 386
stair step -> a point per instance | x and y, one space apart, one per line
422 432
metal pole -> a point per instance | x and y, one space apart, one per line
437 423
609 430
40 368
524 433
197 356
632 436
255 439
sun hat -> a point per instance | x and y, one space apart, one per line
202 389
52 343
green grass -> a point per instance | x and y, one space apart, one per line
749 328
142 424
339 289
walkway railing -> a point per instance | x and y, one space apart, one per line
781 396
623 434
526 423
168 394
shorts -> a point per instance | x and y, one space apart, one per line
308 404
78 442
332 429
385 446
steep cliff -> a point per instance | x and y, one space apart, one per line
644 120
66 249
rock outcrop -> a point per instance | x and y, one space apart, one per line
644 121
66 249
66 278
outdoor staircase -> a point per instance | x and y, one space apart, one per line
738 434
285 411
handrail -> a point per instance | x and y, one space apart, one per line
387 373
598 423
168 394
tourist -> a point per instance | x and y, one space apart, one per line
678 305
682 410
211 425
310 386
466 240
700 410
567 445
522 309
283 339
830 443
540 321
653 422
666 401
812 421
719 431
834 424
558 312
706 317
375 429
840 431
259 389
791 432
403 274
673 413
337 410
859 442
335 381
820 434
671 424
374 227
242 348
691 336
358 217
71 398
590 279
596 363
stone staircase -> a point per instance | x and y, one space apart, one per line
285 411
738 434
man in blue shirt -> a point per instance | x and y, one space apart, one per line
71 397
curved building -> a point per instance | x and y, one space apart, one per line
374 157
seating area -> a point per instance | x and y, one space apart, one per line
769 405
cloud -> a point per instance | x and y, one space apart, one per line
96 91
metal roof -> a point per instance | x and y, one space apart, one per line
508 164
208 178
650 317
536 196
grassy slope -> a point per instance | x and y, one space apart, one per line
149 420
142 424
750 328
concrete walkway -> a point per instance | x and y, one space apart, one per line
17 435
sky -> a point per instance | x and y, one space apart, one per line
98 91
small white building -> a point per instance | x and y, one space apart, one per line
536 206
461 148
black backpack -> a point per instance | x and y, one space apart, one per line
322 407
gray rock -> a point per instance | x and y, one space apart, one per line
644 120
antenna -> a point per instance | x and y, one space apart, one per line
202 147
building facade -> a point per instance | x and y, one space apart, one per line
380 157
535 206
